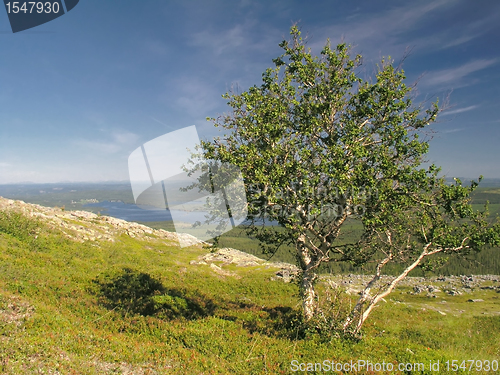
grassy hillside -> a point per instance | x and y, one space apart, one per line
485 262
137 306
63 194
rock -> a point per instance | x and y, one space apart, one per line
228 256
196 262
222 272
287 272
475 300
92 227
418 289
82 226
284 274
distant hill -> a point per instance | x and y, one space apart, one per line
485 182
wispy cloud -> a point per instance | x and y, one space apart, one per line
194 96
218 42
459 110
119 141
451 130
162 123
236 48
471 31
380 32
392 31
455 77
460 40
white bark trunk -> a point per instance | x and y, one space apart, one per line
307 292
308 295
358 317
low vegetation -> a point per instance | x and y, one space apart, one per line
137 306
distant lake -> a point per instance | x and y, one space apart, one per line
132 212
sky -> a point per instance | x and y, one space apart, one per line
80 93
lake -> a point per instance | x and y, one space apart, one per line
132 212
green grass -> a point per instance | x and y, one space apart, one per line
53 316
485 262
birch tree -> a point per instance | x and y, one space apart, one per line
415 225
319 146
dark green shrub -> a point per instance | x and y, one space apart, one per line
135 292
179 303
171 306
130 291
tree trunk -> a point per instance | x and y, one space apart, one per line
307 292
359 316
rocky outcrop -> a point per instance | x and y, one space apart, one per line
230 256
287 272
86 226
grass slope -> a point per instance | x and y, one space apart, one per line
54 320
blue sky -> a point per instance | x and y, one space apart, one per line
80 93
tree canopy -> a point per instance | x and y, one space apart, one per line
318 146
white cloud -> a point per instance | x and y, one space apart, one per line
379 32
392 32
217 42
459 110
237 48
451 130
461 40
468 32
192 95
455 77
119 141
